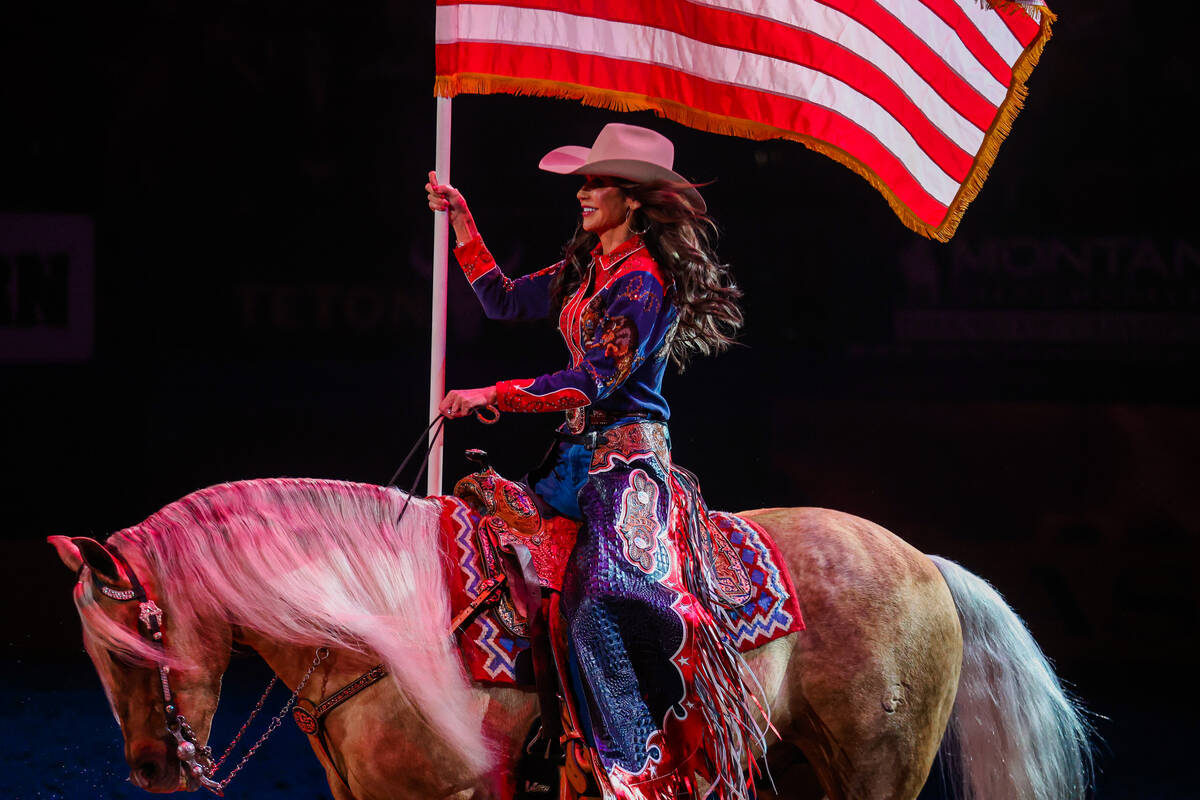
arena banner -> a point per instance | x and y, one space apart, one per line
913 95
47 297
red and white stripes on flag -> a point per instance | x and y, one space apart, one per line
913 95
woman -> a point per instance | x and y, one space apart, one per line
639 286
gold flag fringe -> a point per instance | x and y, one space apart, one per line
1002 125
480 83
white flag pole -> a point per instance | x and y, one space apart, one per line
441 260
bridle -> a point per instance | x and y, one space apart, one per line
195 758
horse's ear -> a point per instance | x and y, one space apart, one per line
67 551
80 550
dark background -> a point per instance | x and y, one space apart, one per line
1021 399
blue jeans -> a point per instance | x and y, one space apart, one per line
561 476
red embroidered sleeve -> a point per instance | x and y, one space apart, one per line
512 396
474 258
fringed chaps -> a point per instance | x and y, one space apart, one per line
663 691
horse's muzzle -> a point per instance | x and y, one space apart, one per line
152 767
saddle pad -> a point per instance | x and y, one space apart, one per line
493 654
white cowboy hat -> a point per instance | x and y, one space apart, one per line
623 151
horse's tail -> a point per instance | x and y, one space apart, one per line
1014 731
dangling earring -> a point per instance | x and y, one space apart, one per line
629 223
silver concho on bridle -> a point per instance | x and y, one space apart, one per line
151 616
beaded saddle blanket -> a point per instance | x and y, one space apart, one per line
742 564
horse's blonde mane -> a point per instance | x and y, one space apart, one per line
310 563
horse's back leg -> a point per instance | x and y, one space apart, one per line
871 682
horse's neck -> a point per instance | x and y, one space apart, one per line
506 712
292 662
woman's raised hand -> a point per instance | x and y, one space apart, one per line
444 197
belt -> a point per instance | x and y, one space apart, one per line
597 418
596 422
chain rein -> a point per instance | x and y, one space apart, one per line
321 654
198 760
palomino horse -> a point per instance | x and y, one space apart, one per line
899 646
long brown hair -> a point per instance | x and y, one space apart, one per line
681 239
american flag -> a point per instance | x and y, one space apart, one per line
913 95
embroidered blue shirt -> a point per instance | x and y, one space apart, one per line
617 327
